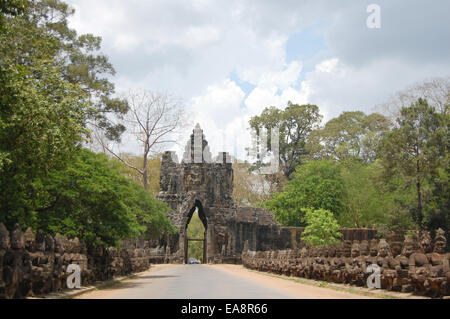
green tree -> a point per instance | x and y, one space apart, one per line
369 201
42 122
295 124
416 149
11 8
315 185
322 228
91 200
52 84
42 34
352 135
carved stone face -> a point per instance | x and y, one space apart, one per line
347 251
49 244
325 251
304 253
339 250
355 250
40 242
29 239
75 244
364 248
408 246
59 245
332 251
373 248
440 243
313 252
4 237
384 249
425 242
439 246
396 248
17 240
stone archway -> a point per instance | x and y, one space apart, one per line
201 181
201 213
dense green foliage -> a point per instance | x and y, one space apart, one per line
352 135
371 173
53 87
322 228
315 185
417 150
295 123
41 35
90 199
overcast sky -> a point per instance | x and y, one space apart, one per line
228 60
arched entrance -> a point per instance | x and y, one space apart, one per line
201 214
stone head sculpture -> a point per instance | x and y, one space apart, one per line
59 244
425 242
312 251
409 245
325 251
347 248
373 248
356 250
364 248
440 242
4 237
340 249
304 253
17 240
396 248
29 238
332 251
49 244
384 249
39 244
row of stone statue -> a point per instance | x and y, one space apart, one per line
32 264
418 265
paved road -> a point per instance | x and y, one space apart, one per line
211 282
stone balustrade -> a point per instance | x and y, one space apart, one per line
417 265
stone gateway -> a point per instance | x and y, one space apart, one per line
203 183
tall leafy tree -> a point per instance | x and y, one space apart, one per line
316 185
417 149
351 135
42 123
52 84
295 124
90 199
11 8
42 33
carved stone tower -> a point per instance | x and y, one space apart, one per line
203 184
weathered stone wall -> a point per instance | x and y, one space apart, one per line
415 266
33 264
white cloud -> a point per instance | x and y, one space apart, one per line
327 66
190 49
